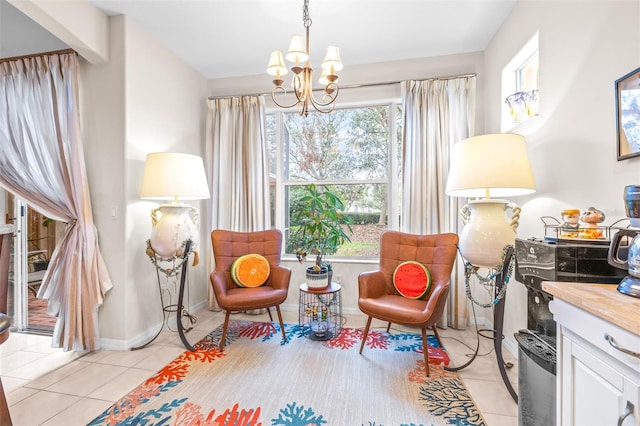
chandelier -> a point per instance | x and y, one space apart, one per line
302 82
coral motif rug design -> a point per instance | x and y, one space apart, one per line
261 380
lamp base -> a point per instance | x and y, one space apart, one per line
173 224
487 230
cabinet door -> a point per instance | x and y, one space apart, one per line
594 392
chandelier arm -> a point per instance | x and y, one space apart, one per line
319 106
332 97
284 92
299 85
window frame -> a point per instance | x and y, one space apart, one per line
511 83
393 180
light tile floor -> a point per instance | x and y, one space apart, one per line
49 387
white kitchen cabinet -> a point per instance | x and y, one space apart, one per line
597 383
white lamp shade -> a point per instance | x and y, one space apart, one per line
174 176
276 64
494 165
297 53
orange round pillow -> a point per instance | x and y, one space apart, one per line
412 279
250 270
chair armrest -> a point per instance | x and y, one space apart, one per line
280 277
219 282
371 284
437 300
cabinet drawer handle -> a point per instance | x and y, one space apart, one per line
615 345
628 410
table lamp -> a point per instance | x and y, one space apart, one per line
494 165
174 177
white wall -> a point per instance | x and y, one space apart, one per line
19 35
143 100
102 91
584 47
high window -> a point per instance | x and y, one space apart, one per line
354 152
520 86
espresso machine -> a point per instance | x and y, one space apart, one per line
624 251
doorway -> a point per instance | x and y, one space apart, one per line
35 239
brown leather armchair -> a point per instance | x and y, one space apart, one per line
378 297
227 247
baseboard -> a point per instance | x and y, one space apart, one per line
148 334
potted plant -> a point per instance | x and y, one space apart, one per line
319 230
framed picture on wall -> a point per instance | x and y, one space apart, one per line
628 115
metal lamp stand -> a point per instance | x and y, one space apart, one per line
498 327
179 307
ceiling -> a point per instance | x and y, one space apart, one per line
227 38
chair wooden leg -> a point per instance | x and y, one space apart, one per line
388 326
284 336
365 333
425 346
270 316
224 330
5 416
435 332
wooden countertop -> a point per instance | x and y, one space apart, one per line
602 300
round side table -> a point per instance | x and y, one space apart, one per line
320 311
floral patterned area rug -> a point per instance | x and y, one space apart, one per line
261 380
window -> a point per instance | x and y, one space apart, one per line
527 74
354 152
520 86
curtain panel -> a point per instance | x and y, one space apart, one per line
42 161
238 166
437 114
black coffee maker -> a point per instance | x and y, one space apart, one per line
624 251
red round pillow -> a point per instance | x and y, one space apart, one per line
412 279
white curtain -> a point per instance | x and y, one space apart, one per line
42 161
238 166
437 114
